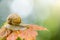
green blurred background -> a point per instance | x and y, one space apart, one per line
44 13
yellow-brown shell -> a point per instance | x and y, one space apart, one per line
14 19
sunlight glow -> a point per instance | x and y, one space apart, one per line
22 7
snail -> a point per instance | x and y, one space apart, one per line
13 23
